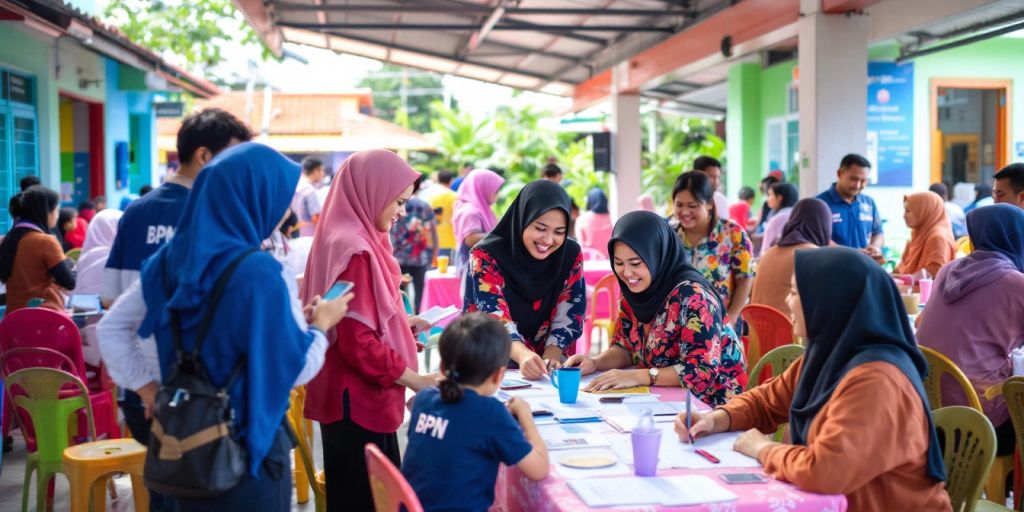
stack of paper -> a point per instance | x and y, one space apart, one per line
568 441
665 491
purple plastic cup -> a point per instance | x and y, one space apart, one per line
646 444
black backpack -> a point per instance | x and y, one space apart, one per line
193 452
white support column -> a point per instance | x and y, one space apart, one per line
626 184
833 92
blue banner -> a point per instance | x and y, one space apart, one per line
891 123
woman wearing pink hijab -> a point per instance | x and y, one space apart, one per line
473 217
359 395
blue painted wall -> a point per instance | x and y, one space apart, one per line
121 105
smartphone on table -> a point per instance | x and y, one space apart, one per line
337 290
744 478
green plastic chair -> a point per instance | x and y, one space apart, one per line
969 448
36 390
778 358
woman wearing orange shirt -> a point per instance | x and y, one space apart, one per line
883 454
32 263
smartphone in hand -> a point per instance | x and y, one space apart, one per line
338 289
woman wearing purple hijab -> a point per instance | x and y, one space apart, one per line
472 216
809 226
974 314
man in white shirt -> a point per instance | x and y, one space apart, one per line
306 203
713 169
957 217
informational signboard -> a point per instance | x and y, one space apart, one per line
169 109
891 123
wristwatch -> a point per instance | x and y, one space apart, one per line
653 374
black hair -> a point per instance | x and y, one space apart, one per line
212 128
552 170
1014 173
768 181
86 205
66 214
704 161
787 193
746 193
854 159
289 223
696 183
472 348
418 183
444 177
981 191
941 189
310 164
33 205
29 181
145 190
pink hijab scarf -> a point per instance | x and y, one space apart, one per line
367 182
473 203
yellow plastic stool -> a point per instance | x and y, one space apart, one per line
89 465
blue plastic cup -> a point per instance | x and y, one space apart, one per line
567 382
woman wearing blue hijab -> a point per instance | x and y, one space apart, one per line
238 200
856 406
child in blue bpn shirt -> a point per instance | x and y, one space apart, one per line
459 432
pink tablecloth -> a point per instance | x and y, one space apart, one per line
443 289
516 493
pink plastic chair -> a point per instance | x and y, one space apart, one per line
390 489
44 328
593 255
608 286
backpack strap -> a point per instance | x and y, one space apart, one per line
211 307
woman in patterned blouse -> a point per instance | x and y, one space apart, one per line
713 244
672 327
529 274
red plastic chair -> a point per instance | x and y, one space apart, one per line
390 489
44 328
769 329
609 287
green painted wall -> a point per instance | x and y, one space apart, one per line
28 52
755 95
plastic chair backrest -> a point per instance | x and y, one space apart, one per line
779 359
37 392
608 286
34 357
390 489
969 448
73 254
304 438
43 328
939 365
769 329
1013 393
590 254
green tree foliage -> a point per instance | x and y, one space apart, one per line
191 30
421 88
682 140
515 141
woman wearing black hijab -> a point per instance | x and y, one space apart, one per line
529 275
32 262
857 410
672 329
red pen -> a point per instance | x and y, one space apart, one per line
706 455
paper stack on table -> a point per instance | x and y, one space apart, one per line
665 491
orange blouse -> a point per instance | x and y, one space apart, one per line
870 449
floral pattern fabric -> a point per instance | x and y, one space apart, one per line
483 291
411 236
692 334
724 256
